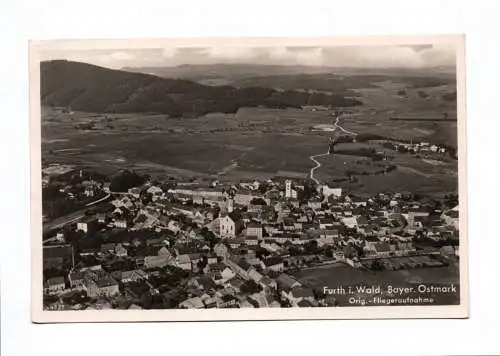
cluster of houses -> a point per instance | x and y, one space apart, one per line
227 246
424 147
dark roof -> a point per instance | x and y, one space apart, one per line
272 261
55 281
244 264
285 281
326 221
382 247
362 220
206 282
228 298
253 224
105 282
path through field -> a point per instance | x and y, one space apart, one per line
313 157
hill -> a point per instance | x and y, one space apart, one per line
86 87
295 77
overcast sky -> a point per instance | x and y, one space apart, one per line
345 56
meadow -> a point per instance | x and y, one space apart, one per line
259 142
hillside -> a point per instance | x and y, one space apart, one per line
294 77
90 88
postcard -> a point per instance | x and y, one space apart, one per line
248 179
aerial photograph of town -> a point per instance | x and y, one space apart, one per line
252 177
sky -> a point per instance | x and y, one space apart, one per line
412 56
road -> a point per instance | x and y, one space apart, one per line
99 200
313 157
337 126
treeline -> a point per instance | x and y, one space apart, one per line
334 83
85 87
125 180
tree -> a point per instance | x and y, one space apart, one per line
250 287
202 263
311 247
377 265
125 180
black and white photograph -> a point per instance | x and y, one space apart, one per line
214 179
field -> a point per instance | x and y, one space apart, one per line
259 142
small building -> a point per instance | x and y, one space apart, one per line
55 284
87 224
274 263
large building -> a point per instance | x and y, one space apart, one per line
290 193
227 227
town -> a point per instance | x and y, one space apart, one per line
133 242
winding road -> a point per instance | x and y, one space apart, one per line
313 157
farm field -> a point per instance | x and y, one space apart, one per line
259 142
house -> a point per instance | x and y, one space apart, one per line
103 287
120 251
155 191
329 236
244 197
351 222
192 303
54 285
450 217
286 282
288 224
382 249
211 258
240 266
326 223
129 276
86 224
297 294
252 240
106 186
227 227
221 250
203 282
76 279
158 261
254 229
371 242
274 263
135 192
327 192
357 201
257 205
227 301
268 284
235 243
184 262
120 223
362 221
314 203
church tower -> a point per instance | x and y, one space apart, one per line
288 189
